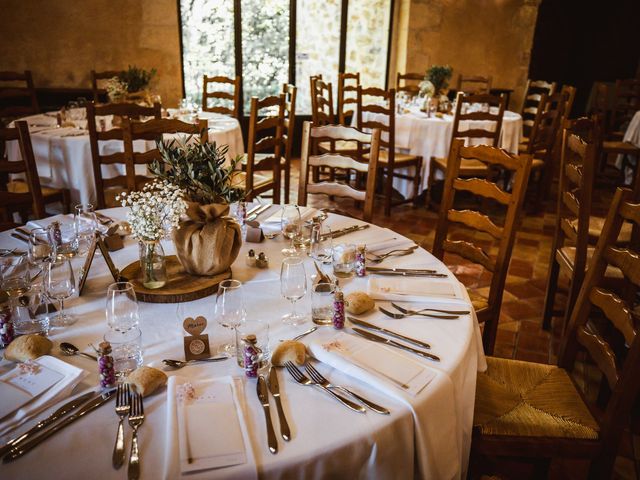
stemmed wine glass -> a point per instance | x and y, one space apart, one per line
290 224
293 286
230 311
60 284
122 307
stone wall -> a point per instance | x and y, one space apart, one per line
61 41
475 37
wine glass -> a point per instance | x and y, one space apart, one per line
293 286
290 224
230 310
85 224
122 307
60 284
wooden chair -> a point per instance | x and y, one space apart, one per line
262 163
347 95
490 134
389 160
474 84
225 95
533 93
535 411
370 141
626 102
24 196
17 100
487 309
403 85
108 188
289 125
97 76
322 112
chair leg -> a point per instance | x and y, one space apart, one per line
490 331
388 190
287 181
66 201
432 171
550 294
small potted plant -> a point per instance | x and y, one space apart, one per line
131 85
439 76
209 241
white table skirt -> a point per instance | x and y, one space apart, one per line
328 440
64 160
418 134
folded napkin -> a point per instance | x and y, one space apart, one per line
415 289
305 214
383 246
67 377
207 435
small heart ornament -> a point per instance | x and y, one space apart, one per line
194 326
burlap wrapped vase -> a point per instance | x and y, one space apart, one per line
209 242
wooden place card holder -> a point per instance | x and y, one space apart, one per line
196 345
97 242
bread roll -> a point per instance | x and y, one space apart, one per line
289 351
358 303
27 347
146 380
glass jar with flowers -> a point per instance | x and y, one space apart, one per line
154 213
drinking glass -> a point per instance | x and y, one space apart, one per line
126 350
322 303
14 276
259 328
230 310
63 239
321 244
291 226
122 307
344 260
85 224
293 286
60 284
35 316
39 247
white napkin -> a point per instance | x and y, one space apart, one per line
220 437
305 214
415 289
383 246
57 392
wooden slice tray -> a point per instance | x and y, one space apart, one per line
180 286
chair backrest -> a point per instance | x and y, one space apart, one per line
531 102
31 200
520 167
474 83
625 104
226 91
347 95
17 95
289 120
570 93
546 125
266 137
382 104
322 112
98 134
105 75
492 117
332 133
604 324
409 82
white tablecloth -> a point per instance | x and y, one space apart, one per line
64 160
418 134
328 441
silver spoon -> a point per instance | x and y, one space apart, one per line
71 349
298 337
179 363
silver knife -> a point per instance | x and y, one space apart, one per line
19 450
263 395
388 332
257 212
254 208
344 231
274 388
409 274
59 413
395 269
377 338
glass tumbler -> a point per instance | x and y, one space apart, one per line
344 260
126 349
322 303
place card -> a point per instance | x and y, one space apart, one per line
22 384
254 234
196 345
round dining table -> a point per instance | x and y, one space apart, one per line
63 154
426 435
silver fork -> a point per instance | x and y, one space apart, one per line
302 379
136 418
317 377
123 406
399 252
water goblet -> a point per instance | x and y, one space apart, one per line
122 307
293 286
291 226
230 311
60 284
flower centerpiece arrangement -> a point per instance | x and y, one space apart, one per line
132 84
154 213
438 76
209 241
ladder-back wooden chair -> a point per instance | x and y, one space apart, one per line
289 125
531 101
380 112
536 411
409 82
487 309
347 96
369 142
488 134
626 102
474 84
97 76
103 153
225 92
17 96
322 112
25 195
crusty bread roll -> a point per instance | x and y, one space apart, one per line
146 380
27 347
289 351
358 302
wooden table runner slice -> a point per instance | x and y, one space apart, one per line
180 286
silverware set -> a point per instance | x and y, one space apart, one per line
345 231
387 341
256 211
128 404
180 363
406 272
399 252
262 391
439 314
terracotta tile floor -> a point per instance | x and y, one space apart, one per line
520 333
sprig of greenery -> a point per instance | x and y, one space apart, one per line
136 79
439 75
199 169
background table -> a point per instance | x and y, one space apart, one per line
63 155
328 440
